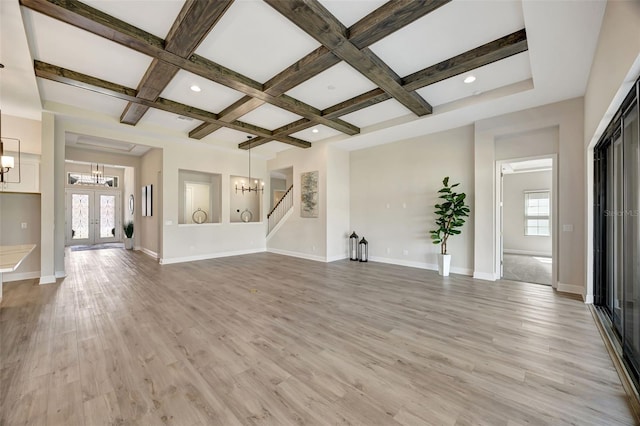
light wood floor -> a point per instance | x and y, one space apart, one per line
266 339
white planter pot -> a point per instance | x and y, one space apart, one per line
128 243
444 263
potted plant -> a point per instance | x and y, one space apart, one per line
128 232
450 214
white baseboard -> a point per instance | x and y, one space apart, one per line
61 274
297 254
336 258
588 299
19 276
570 288
168 261
47 279
420 265
146 251
527 252
486 276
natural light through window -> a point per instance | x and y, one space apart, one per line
536 208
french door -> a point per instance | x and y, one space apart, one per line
93 216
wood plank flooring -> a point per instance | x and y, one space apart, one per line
265 339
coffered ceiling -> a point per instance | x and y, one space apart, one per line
288 73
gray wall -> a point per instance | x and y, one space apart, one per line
15 209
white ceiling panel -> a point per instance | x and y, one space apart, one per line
351 11
498 74
256 41
450 30
69 47
270 117
81 98
377 113
227 137
165 119
137 13
323 132
213 97
337 84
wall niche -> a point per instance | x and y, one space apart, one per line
200 196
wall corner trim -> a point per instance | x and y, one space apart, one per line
61 274
148 252
485 276
47 279
571 288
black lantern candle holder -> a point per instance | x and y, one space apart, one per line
353 246
363 248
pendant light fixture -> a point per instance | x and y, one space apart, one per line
250 188
6 161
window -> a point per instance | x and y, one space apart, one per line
74 178
536 213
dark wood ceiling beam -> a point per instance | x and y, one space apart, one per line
194 22
82 16
357 103
83 81
483 55
378 24
496 50
318 22
253 143
389 18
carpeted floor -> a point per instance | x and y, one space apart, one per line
531 269
97 246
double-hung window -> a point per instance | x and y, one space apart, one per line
536 213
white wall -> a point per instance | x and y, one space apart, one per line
28 131
615 68
150 166
567 117
394 191
514 187
338 203
298 236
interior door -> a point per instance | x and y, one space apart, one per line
93 217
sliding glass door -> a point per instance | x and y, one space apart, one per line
631 280
617 228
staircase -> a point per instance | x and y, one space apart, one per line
279 211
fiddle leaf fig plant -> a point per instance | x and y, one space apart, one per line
450 214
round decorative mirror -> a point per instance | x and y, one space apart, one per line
132 203
246 215
199 216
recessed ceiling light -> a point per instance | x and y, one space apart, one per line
195 88
315 131
469 79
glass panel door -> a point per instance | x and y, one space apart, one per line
80 223
93 217
106 207
631 310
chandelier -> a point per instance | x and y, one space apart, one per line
255 188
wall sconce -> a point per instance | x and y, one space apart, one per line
7 162
353 246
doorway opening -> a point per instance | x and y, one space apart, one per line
526 220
